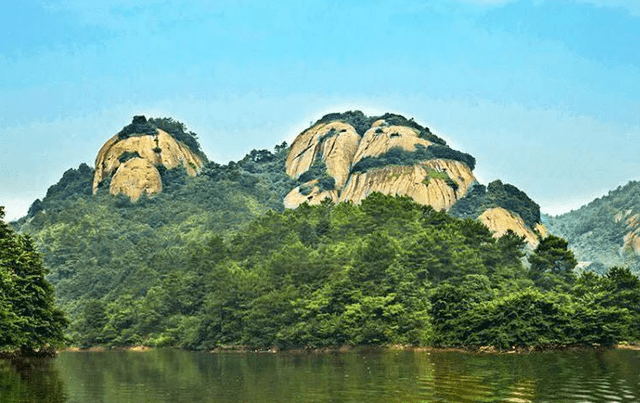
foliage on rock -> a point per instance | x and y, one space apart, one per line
400 156
362 123
480 198
140 126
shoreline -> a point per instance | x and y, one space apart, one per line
349 349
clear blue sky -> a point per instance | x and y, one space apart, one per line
545 94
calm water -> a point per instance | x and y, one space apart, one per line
178 376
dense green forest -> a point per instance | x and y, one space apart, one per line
215 260
29 321
388 271
596 232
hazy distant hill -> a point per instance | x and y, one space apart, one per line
605 232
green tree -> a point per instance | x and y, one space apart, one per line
623 291
451 302
552 264
30 321
95 319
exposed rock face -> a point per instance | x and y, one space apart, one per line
382 138
542 230
339 146
500 220
413 181
315 196
138 173
134 177
335 142
631 238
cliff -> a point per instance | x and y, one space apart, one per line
500 220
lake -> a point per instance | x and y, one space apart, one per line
375 376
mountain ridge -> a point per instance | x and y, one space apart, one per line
216 258
342 156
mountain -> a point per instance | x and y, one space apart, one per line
605 232
131 257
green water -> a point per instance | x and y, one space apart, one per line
177 376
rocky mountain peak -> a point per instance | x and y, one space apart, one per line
129 160
346 157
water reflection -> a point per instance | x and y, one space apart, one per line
31 380
402 376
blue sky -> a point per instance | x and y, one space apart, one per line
545 94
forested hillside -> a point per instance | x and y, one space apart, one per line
604 233
109 248
386 271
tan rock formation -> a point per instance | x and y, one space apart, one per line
631 238
134 177
413 181
340 147
338 152
172 154
381 138
541 230
632 242
633 221
294 198
500 220
336 141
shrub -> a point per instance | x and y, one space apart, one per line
361 123
326 182
330 133
139 126
433 174
179 131
318 170
305 189
400 156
